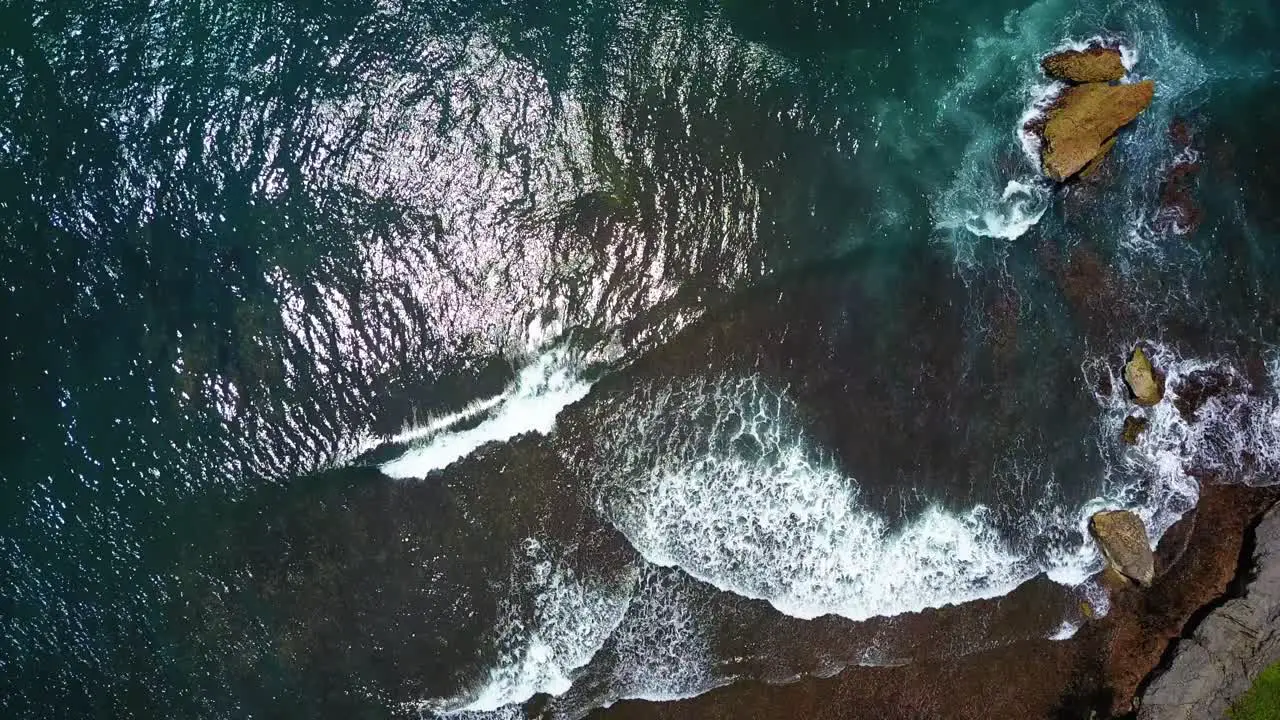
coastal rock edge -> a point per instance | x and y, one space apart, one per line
1229 648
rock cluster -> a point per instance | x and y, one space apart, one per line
1229 648
1079 128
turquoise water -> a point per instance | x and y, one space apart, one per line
384 358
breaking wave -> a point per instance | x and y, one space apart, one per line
553 381
553 623
746 503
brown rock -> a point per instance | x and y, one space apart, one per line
1133 427
1096 64
1096 162
1144 382
1079 126
1123 540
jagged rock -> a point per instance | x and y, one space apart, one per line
1201 386
1096 64
1229 648
1144 382
1124 543
1133 427
1080 125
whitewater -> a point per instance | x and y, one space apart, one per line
716 479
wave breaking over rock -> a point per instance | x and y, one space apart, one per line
553 623
1230 432
747 503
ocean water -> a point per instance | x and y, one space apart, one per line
501 360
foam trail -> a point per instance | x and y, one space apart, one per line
441 423
546 386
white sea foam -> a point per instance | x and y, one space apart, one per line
1020 206
750 507
554 621
1040 98
1097 597
1236 434
542 389
1065 631
1128 57
663 645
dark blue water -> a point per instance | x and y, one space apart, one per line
377 359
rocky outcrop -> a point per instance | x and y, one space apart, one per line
1080 125
1146 384
1133 427
1180 212
1200 386
1229 648
1095 64
1124 542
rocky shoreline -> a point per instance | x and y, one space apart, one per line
1097 673
1187 630
1230 646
